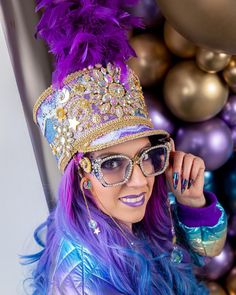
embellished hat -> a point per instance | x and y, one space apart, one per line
96 100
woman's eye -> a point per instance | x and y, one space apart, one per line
111 164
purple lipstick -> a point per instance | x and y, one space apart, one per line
133 200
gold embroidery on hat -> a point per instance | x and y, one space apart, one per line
79 114
106 81
78 88
82 144
60 113
92 103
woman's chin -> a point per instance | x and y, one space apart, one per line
133 219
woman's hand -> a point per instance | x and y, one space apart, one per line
185 178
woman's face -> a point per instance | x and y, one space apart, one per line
116 201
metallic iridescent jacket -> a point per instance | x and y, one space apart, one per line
74 266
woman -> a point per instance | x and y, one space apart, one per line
112 230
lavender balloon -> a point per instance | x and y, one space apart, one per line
228 113
233 130
232 226
210 140
148 11
218 265
161 117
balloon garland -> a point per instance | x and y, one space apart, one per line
189 75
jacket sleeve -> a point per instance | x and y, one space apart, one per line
75 272
202 230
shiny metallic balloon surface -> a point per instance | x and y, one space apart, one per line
206 23
218 265
212 61
210 140
215 289
228 113
153 59
177 44
229 74
192 94
159 114
231 282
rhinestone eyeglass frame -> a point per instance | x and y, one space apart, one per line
96 169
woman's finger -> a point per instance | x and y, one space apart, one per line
177 163
172 145
198 164
188 162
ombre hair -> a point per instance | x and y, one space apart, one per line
140 270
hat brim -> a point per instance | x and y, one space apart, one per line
117 136
128 133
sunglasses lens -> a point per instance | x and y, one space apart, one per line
115 169
154 160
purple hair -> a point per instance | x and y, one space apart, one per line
110 248
81 33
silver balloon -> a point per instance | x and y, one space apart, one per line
32 68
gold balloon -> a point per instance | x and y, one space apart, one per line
231 282
230 74
206 23
177 44
211 61
215 289
193 95
153 59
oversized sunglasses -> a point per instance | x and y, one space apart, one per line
117 169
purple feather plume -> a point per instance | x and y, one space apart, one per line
80 33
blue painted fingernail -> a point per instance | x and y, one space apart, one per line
190 183
183 185
175 179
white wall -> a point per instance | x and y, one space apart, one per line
22 202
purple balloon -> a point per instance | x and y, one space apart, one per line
218 265
161 117
228 113
211 140
232 226
233 130
148 11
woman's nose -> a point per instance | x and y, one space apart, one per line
137 177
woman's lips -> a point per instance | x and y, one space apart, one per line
133 200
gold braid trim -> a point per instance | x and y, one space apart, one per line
82 144
50 90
